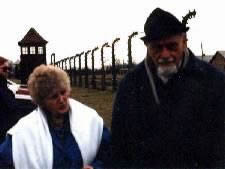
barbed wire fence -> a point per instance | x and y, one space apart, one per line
104 78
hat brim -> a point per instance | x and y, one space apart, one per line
149 38
144 38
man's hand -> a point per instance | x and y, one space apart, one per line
88 167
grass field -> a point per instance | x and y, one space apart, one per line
99 100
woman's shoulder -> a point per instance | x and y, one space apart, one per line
76 105
82 111
26 122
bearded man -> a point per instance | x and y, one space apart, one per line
169 110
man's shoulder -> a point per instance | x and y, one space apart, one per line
208 74
135 73
208 69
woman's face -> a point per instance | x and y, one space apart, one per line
57 102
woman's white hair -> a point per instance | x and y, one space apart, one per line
44 79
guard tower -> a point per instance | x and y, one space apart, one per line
33 53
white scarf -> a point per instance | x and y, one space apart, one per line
32 143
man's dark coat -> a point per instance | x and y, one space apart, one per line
185 130
8 108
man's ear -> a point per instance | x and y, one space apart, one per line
185 43
185 39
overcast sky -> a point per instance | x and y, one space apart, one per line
73 26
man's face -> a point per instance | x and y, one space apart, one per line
4 69
167 53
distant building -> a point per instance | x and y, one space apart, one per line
218 60
206 58
33 53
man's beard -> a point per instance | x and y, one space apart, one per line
166 72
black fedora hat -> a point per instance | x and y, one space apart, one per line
161 24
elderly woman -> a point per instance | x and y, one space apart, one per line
60 133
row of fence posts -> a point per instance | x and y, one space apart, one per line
74 73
